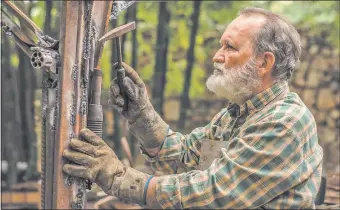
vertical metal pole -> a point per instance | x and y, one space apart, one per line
76 39
49 147
65 188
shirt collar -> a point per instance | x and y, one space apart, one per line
258 101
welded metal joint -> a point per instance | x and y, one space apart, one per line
80 196
88 184
94 33
69 180
73 110
47 41
76 205
83 105
74 71
54 125
6 29
118 7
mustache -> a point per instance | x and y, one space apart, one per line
219 66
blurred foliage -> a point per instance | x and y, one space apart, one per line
313 16
38 13
106 66
215 16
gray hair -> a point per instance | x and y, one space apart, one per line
279 37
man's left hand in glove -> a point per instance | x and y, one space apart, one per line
91 158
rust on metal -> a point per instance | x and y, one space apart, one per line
101 17
62 193
81 23
68 104
49 147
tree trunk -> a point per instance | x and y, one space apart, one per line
116 115
190 63
159 77
10 126
126 20
48 16
27 89
55 32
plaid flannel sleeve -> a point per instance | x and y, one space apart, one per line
269 158
184 150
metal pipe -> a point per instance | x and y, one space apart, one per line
96 84
95 111
65 187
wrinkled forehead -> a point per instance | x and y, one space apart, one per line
244 27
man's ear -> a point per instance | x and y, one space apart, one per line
266 64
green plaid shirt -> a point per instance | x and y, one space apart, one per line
272 158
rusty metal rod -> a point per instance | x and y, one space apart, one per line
64 188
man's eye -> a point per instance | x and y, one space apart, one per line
226 45
229 46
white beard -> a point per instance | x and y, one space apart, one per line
235 84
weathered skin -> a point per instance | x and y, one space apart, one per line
144 122
98 163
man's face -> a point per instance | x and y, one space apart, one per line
235 67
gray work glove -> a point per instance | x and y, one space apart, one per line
144 122
91 158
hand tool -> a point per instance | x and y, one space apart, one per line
117 33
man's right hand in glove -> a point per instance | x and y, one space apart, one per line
144 123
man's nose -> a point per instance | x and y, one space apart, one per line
218 57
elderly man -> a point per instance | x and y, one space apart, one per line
271 157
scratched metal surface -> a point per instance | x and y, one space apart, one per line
76 32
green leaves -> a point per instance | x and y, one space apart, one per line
38 13
105 64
